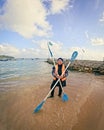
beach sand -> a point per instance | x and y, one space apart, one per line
83 111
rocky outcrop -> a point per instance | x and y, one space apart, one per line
96 67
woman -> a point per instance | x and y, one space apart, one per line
57 74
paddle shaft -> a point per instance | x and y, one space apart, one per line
54 66
59 80
56 82
74 55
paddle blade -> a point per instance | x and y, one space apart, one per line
39 107
74 55
65 97
50 43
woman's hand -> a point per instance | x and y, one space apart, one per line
60 77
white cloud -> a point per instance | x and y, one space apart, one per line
6 49
57 48
93 54
88 53
94 41
27 17
29 53
59 5
97 41
86 34
102 18
97 4
41 43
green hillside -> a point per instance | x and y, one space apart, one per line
6 58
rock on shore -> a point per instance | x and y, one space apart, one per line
89 66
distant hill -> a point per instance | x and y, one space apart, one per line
6 58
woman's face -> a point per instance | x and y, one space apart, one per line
59 61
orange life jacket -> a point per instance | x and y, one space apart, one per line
56 71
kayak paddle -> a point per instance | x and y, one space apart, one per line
73 57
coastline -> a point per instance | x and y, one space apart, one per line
85 93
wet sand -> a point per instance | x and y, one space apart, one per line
83 111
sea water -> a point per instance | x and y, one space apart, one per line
16 73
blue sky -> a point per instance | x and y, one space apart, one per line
26 26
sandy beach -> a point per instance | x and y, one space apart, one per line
83 111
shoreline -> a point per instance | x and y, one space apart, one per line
85 93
